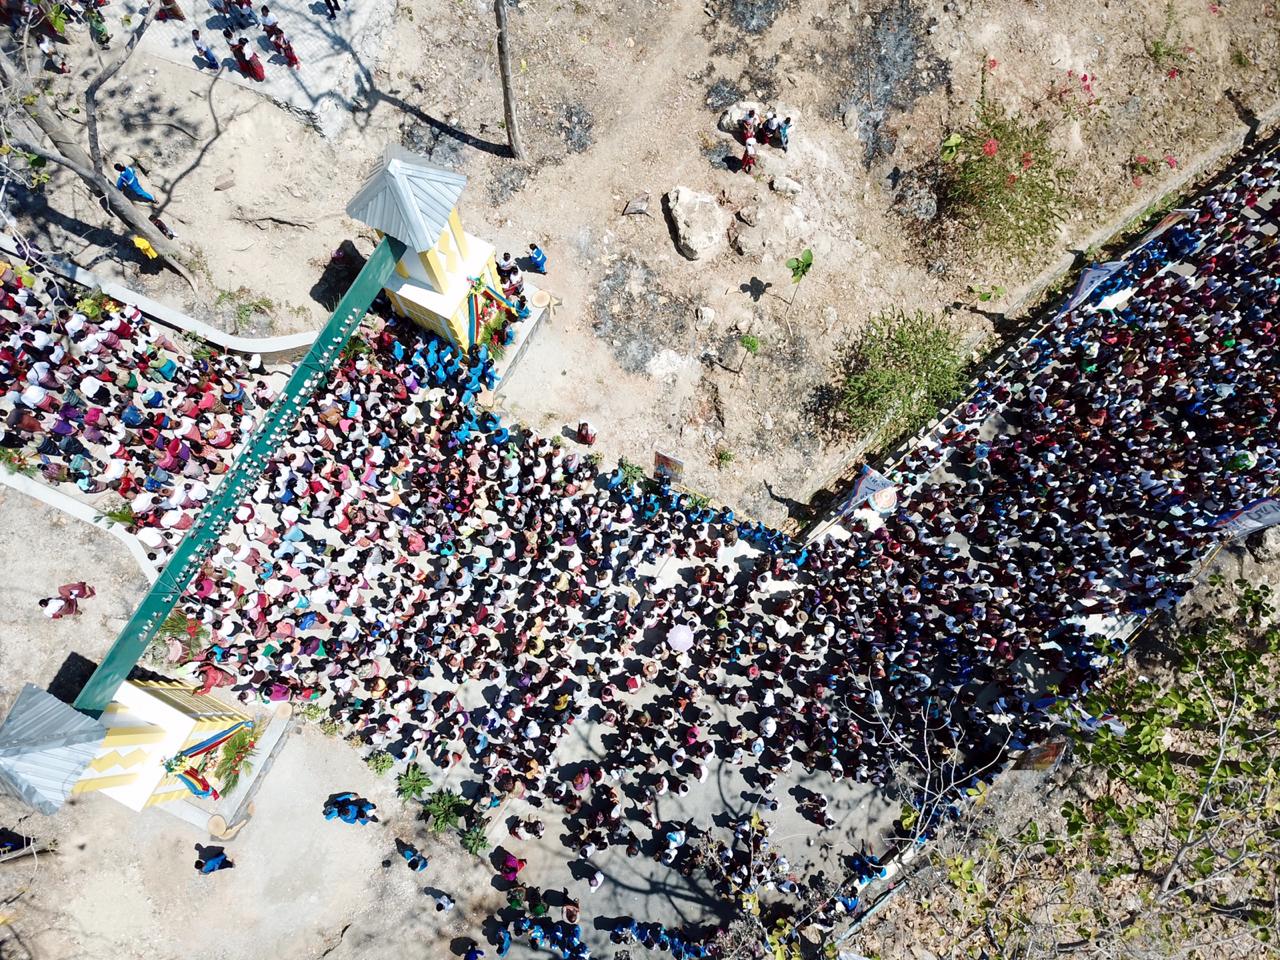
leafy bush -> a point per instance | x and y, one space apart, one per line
1002 179
632 473
121 514
475 841
15 461
750 343
413 783
444 810
190 631
904 368
380 762
724 457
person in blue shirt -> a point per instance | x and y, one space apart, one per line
129 183
211 859
537 258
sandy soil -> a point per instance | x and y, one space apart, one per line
622 100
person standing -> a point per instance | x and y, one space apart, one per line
285 46
205 51
130 185
332 5
784 133
538 259
749 155
769 131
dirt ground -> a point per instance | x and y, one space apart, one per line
621 100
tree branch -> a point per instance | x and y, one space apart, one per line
91 92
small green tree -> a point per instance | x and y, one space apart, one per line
799 267
412 783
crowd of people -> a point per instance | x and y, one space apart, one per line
468 594
405 552
102 402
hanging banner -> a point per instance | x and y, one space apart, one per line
1249 519
1090 277
872 488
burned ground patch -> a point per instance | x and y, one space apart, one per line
431 142
890 67
577 127
636 316
752 16
721 94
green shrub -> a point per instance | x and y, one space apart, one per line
412 783
475 841
750 343
444 809
632 473
904 368
724 457
380 762
1001 178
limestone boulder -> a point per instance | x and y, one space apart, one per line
698 221
786 186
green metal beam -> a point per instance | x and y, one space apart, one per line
203 535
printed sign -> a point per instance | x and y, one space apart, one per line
668 467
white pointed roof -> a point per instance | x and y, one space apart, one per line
408 198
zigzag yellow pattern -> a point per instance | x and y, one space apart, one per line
114 758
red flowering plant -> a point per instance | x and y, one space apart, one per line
1076 95
1002 179
1140 166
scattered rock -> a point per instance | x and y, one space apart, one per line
785 186
749 215
698 221
666 365
705 317
746 241
636 205
1265 545
916 198
226 183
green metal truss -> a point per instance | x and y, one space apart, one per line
202 537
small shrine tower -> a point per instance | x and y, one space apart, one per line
416 202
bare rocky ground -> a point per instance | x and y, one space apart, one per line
621 100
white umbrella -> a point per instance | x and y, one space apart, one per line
680 638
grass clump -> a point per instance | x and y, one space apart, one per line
904 368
